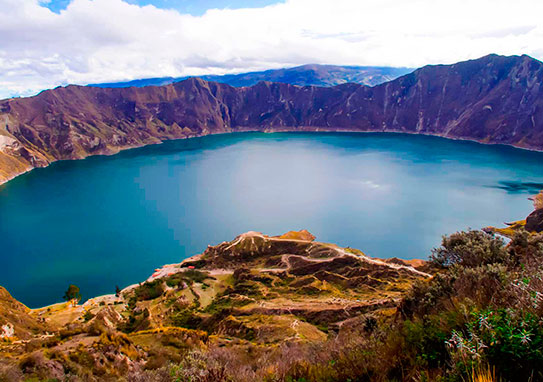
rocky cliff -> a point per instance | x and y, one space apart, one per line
494 99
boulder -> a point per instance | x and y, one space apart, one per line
534 221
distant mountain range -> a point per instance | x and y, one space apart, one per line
306 75
494 99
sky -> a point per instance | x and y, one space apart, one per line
195 8
47 43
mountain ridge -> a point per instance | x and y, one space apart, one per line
303 75
494 99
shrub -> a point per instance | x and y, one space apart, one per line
484 285
511 341
88 315
196 367
527 249
149 290
427 295
187 277
469 249
136 321
187 318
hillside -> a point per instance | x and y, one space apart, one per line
289 308
305 75
253 292
16 319
494 99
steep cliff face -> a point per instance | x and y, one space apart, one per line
494 99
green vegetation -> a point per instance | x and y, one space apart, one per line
88 316
482 310
187 277
478 318
72 294
481 316
149 290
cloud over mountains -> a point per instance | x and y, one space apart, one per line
110 40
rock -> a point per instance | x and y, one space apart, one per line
298 235
6 141
537 200
534 221
7 330
107 317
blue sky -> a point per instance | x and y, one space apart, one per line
93 41
193 7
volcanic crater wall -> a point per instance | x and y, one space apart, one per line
494 99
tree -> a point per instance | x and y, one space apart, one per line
72 294
117 291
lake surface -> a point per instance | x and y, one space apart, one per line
108 221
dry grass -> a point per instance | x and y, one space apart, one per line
538 200
172 330
484 374
510 231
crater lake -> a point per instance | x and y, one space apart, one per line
109 221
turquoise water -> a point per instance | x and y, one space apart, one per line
108 221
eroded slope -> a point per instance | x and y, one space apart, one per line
255 291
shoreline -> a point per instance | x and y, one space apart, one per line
304 129
169 269
164 270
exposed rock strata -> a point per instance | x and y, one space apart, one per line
534 221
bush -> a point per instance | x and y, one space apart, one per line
88 316
196 367
426 296
149 290
187 318
469 249
136 321
187 277
527 249
511 341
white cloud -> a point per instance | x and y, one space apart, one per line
109 40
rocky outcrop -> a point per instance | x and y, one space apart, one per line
534 221
293 274
494 99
